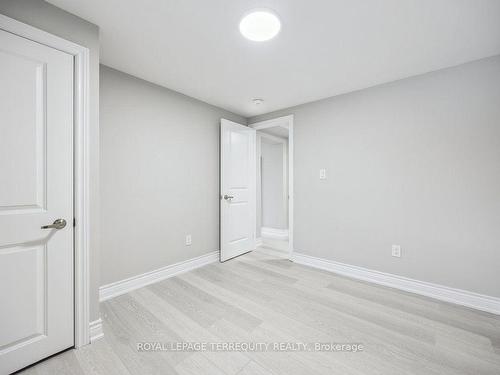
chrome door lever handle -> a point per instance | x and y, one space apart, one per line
57 224
228 197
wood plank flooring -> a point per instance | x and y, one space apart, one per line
261 298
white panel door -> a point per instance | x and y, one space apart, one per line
238 184
36 188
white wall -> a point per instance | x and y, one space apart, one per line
414 162
159 176
273 184
49 18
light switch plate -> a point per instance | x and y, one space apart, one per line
188 240
396 251
322 174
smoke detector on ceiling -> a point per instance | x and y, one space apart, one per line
257 101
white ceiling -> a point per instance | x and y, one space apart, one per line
325 48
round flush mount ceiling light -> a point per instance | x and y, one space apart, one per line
260 25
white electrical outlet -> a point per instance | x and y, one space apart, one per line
396 251
189 241
322 174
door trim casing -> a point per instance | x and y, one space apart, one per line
287 123
81 183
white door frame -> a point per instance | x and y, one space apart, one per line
81 186
287 123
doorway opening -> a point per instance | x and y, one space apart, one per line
274 185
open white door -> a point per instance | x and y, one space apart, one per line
36 202
237 189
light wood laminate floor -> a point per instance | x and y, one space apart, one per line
261 298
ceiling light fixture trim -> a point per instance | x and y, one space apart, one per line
260 25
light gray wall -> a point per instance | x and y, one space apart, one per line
414 162
274 212
51 19
159 176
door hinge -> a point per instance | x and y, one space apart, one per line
74 222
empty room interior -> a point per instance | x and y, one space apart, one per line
240 187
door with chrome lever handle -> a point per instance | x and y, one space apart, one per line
57 224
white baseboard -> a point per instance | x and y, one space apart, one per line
439 292
96 331
258 241
274 233
124 286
